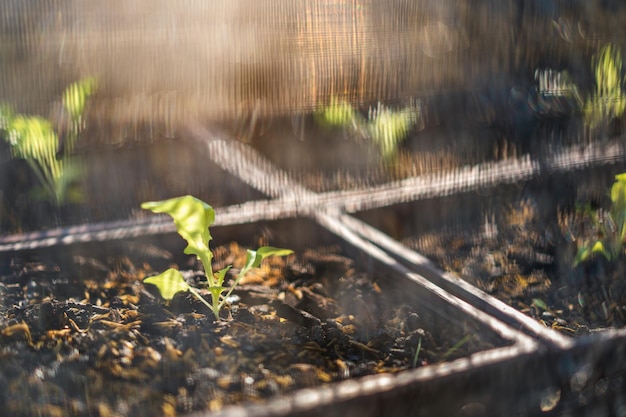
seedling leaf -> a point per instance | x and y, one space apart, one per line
582 255
337 114
539 303
618 193
75 97
266 251
192 218
254 258
221 274
169 283
598 247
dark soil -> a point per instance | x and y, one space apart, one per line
527 261
91 339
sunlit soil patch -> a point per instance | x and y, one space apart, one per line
528 262
88 337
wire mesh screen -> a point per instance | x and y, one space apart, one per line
479 81
487 136
163 59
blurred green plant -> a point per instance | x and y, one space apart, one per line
34 139
386 127
610 227
608 101
192 218
338 114
74 101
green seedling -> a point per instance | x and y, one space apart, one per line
387 128
34 139
338 114
457 346
608 101
192 218
417 353
611 227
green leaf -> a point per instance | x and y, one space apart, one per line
192 218
581 299
221 274
608 101
169 283
254 258
618 193
389 128
598 247
32 137
6 116
582 254
457 346
265 251
337 114
75 97
538 302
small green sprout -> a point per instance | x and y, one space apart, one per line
609 100
192 218
611 227
74 101
337 114
457 346
417 353
386 127
34 139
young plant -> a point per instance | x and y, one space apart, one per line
338 114
611 227
608 100
35 140
386 127
192 218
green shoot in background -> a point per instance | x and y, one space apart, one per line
387 128
74 101
192 218
611 228
337 114
34 139
608 100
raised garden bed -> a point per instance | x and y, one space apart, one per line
81 333
516 244
344 326
95 296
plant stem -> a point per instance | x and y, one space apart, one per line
199 296
457 346
417 353
215 296
232 287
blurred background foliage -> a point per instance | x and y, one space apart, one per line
387 89
48 150
608 101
